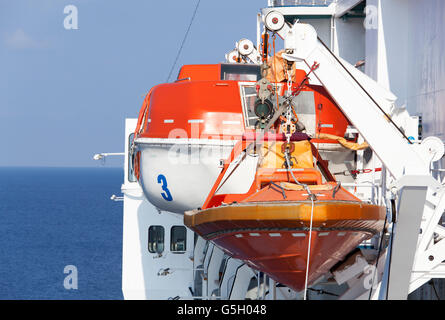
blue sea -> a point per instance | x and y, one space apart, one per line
54 217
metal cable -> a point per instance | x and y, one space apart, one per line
183 40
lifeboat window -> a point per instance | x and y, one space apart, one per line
156 239
305 108
131 175
178 239
248 99
240 72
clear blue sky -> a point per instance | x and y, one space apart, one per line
64 94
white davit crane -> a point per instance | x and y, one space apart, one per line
417 244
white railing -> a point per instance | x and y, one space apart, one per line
282 3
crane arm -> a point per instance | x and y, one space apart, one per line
361 99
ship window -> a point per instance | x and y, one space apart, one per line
240 72
178 239
131 175
156 239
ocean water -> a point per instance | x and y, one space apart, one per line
54 217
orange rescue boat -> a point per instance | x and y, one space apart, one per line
269 227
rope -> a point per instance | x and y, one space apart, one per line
183 40
308 251
365 91
289 169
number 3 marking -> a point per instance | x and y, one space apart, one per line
166 195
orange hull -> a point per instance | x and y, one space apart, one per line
273 236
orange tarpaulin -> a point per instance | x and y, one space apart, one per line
345 143
278 67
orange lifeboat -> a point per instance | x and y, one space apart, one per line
289 216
